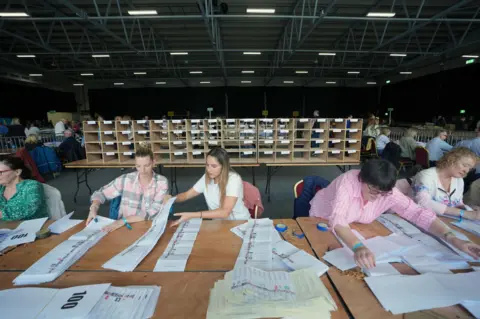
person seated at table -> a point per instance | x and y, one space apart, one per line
437 147
440 188
142 192
32 142
70 149
408 144
372 129
473 144
221 187
21 198
383 140
363 195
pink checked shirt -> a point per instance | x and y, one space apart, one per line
342 203
136 200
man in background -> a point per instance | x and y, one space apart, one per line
60 127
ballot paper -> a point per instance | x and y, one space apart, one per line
256 250
247 292
396 224
63 224
385 269
86 302
473 307
297 259
470 226
427 264
129 258
26 232
176 255
60 258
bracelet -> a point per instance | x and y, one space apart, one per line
356 246
448 233
126 223
462 212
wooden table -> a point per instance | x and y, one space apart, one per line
183 295
356 294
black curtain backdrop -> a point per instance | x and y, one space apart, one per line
416 100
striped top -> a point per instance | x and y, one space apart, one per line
136 200
342 203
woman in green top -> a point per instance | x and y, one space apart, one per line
20 197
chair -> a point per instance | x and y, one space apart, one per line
304 192
298 188
422 157
55 206
370 150
252 200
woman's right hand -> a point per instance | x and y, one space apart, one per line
91 215
364 258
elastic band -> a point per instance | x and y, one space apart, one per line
322 227
357 245
298 234
281 227
462 212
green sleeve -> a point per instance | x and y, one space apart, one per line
29 203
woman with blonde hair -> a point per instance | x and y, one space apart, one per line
408 144
222 188
31 142
440 188
372 128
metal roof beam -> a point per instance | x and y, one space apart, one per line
214 32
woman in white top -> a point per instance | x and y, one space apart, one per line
222 188
440 188
383 140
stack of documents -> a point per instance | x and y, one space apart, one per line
247 292
178 251
64 255
88 302
129 259
469 225
63 224
257 245
421 292
26 232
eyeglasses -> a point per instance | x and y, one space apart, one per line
3 172
375 192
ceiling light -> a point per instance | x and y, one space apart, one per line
406 72
13 14
205 82
86 74
142 12
246 82
398 54
196 72
387 81
25 55
381 14
118 83
252 53
353 72
248 72
253 10
331 82
288 82
100 55
327 53
35 74
139 73
470 56
301 72
163 82
77 84
371 83
178 53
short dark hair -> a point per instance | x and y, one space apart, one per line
379 173
15 163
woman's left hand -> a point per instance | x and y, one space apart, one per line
183 218
467 247
113 226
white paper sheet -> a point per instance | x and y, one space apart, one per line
473 307
63 224
385 269
469 226
297 259
26 232
256 250
92 228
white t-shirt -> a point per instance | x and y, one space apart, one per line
234 189
59 128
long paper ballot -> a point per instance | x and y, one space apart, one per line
26 232
63 224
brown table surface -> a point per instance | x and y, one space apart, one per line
85 164
313 164
203 165
356 294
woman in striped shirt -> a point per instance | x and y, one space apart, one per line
363 195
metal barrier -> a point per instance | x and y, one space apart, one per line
425 135
9 145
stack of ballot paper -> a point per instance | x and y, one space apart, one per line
176 255
60 258
26 232
81 302
63 224
248 292
403 294
129 259
256 250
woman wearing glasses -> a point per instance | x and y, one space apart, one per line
363 195
440 188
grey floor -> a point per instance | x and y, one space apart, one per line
281 205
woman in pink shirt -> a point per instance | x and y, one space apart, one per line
362 195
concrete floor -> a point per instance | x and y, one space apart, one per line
281 205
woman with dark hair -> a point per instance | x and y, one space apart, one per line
362 196
222 188
20 197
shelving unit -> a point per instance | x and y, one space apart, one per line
246 140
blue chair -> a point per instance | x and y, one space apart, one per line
304 191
